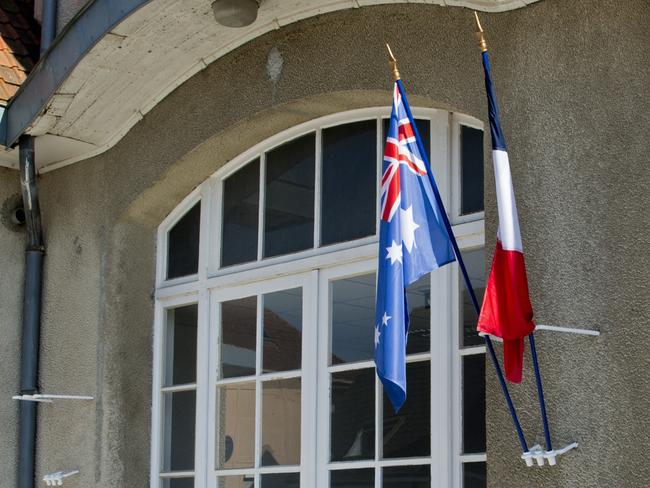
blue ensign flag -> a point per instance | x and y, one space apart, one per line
413 240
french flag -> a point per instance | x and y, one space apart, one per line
506 310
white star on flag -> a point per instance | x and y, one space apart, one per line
385 319
407 227
394 252
377 334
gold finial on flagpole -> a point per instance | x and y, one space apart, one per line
393 63
480 35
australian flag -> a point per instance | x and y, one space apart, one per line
413 240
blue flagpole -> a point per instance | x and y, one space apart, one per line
461 263
540 392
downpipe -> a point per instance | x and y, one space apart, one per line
34 254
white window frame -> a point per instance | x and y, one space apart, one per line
211 283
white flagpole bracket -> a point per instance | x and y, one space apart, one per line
56 479
537 455
48 398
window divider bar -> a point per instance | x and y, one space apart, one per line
176 474
470 351
176 388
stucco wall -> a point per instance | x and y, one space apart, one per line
572 79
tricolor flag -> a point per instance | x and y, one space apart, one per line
413 241
506 310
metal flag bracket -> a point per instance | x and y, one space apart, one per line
538 455
56 479
48 398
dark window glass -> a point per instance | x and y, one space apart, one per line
407 477
418 296
237 481
281 480
349 182
280 422
353 318
471 170
178 483
474 475
238 329
407 433
352 413
424 129
474 403
289 206
179 412
352 478
241 195
282 330
183 243
475 264
180 365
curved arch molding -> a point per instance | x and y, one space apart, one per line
117 59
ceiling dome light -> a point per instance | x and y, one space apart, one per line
235 13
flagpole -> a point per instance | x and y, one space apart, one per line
480 34
461 263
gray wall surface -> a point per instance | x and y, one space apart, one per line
572 80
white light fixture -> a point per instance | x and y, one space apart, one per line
235 13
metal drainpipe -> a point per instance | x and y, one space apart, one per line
31 312
48 24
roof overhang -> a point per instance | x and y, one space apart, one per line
117 59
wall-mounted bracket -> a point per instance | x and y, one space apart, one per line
48 398
56 479
553 328
538 455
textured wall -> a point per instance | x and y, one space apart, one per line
572 79
12 252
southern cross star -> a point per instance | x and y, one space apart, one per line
385 319
394 252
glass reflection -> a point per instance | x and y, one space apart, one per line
474 475
353 317
352 478
353 415
407 433
418 295
180 354
475 263
281 422
241 195
236 425
474 403
289 205
407 477
239 481
238 336
179 414
177 483
282 330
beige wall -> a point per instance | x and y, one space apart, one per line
572 79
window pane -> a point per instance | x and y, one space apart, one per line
352 478
236 426
475 264
424 129
282 332
407 433
474 403
289 206
349 182
474 475
241 195
179 412
178 483
183 243
352 428
281 422
407 477
239 481
353 317
419 301
180 357
281 480
238 336
471 170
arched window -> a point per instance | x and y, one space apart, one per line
263 371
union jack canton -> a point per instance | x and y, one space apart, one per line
413 241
